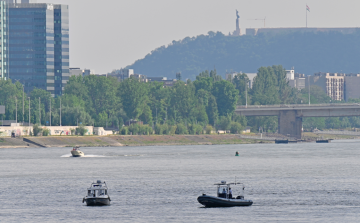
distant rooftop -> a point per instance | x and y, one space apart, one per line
280 30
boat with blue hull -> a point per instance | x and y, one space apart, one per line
225 197
97 194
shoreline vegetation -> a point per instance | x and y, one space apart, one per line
146 140
132 107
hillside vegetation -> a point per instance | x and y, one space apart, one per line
307 52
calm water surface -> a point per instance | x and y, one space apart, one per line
305 182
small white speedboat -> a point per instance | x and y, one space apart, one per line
75 152
97 194
225 197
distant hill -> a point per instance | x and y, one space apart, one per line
307 52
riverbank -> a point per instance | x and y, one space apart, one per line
120 140
312 136
148 140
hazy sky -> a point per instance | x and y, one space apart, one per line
110 34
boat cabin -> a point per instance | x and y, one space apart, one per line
223 190
76 148
97 189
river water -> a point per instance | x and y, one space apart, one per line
305 182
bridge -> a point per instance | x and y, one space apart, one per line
290 116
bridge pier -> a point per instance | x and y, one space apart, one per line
289 123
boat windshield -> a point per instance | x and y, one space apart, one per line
95 193
223 190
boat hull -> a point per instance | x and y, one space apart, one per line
97 201
323 141
77 153
210 201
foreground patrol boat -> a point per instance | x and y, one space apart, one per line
75 152
225 197
97 194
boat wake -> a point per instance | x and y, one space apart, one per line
124 155
86 156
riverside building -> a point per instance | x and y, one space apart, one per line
35 45
331 83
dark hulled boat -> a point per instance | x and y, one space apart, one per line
224 197
97 194
323 140
210 201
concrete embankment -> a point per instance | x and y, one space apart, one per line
118 140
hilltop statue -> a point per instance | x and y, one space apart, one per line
237 31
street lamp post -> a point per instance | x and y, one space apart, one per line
309 88
246 94
50 110
39 112
23 105
16 109
60 111
29 111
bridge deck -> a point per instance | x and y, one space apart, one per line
316 110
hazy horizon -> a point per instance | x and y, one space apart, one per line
113 34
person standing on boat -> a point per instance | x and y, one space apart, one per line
230 193
224 193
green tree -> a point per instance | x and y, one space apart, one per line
46 132
76 86
224 123
195 129
37 130
181 129
71 116
209 129
226 97
10 94
183 100
314 122
204 82
265 90
160 97
103 94
134 97
70 100
45 98
212 110
240 119
241 82
317 95
235 128
81 130
146 115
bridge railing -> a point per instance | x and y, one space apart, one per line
298 105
